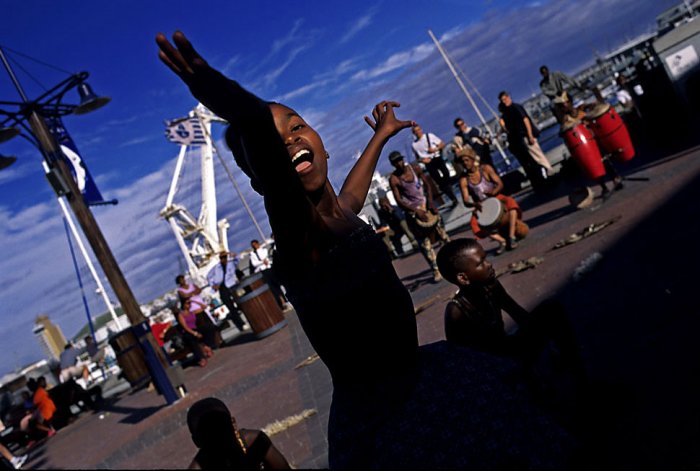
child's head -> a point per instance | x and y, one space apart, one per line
463 262
180 280
303 143
210 423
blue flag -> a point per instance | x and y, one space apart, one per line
80 172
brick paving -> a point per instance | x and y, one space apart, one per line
634 313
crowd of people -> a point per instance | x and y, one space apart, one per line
470 401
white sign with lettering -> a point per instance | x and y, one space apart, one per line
682 61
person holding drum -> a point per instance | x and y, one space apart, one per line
493 212
409 188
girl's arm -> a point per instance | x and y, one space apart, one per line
385 124
256 144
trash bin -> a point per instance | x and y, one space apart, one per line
259 306
130 358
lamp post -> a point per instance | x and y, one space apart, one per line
30 115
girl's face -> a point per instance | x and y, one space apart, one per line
468 161
304 146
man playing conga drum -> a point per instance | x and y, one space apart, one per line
483 185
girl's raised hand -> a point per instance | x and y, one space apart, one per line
207 85
183 59
385 121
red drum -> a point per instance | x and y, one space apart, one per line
581 143
611 132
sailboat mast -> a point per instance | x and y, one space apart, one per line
468 95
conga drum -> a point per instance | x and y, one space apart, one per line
581 143
260 306
493 214
611 132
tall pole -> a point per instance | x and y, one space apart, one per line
235 185
467 94
54 159
88 261
80 281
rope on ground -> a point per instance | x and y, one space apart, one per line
281 425
307 361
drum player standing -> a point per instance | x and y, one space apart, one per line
481 182
414 196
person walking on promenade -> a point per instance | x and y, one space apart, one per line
555 86
427 148
222 278
522 140
479 182
395 404
413 195
222 445
474 138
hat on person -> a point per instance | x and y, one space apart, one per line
395 156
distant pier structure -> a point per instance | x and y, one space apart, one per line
50 336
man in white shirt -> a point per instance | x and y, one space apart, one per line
427 148
222 278
259 257
260 261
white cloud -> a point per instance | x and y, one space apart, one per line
137 140
358 25
397 61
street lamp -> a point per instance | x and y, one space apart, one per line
31 116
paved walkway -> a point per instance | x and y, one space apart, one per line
635 313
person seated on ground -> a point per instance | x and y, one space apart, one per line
44 408
395 404
15 461
473 317
222 445
190 335
479 182
71 366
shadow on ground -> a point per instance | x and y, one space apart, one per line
636 315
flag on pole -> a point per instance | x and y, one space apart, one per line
185 131
77 166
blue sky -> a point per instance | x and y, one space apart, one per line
332 61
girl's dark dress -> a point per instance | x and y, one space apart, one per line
395 404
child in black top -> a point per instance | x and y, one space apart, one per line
473 317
